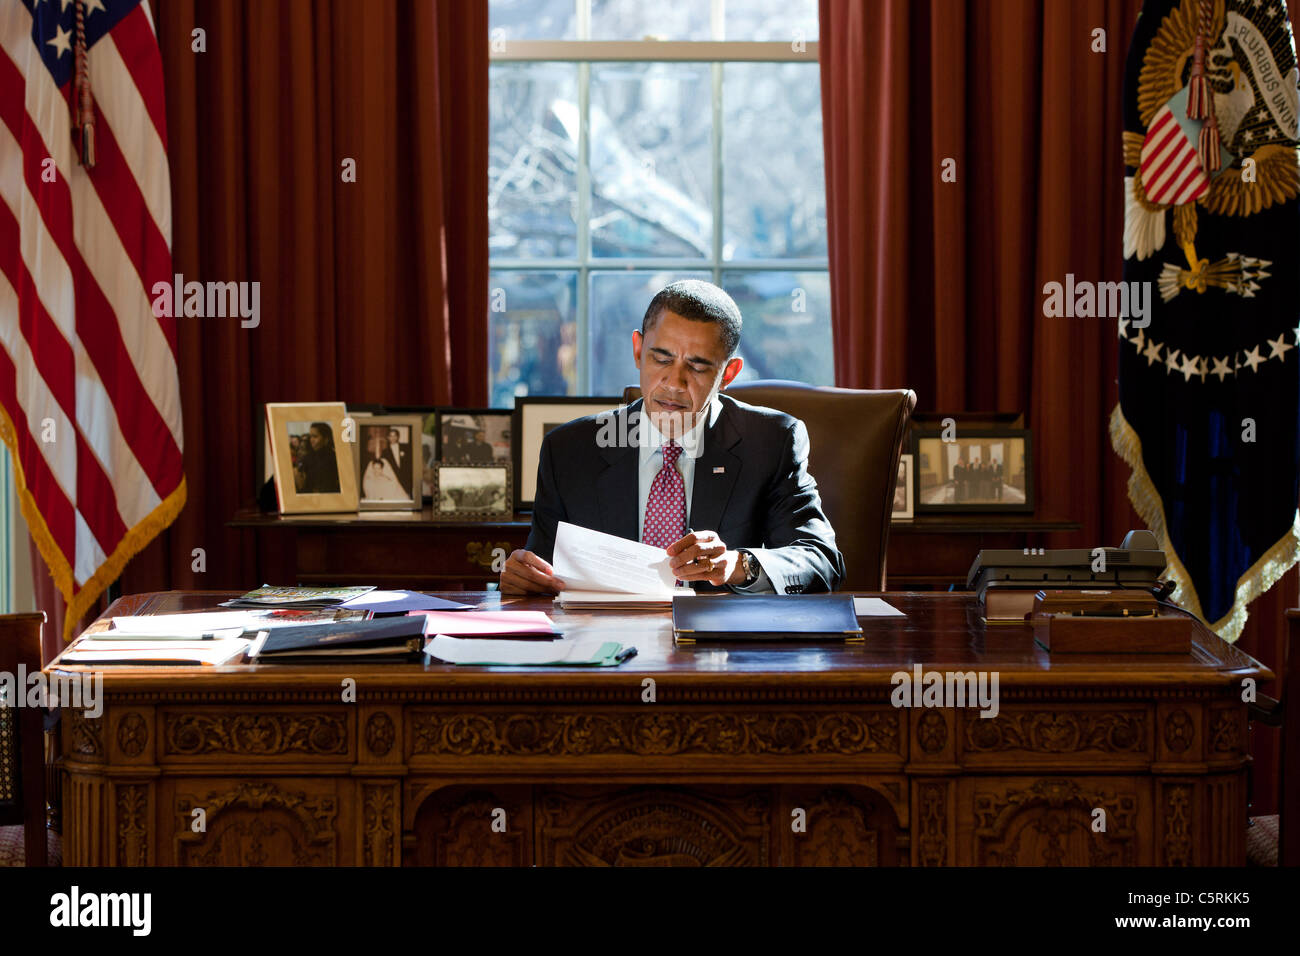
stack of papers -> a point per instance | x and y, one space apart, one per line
603 570
120 649
453 650
488 623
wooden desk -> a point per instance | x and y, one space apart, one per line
408 549
741 746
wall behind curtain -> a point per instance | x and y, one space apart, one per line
372 291
938 285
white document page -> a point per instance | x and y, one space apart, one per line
587 560
874 607
456 650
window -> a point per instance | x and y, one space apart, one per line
621 161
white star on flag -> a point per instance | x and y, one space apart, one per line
1171 360
1253 358
1152 352
1221 368
1279 347
62 41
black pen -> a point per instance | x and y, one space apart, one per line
626 654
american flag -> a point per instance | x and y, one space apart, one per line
89 396
1171 170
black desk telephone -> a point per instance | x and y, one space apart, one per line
1137 563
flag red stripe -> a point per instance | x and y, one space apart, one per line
141 425
139 51
1178 155
1157 140
95 498
52 503
124 203
55 362
1178 180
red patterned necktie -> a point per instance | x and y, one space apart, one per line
665 510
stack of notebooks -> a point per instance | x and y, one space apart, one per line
379 640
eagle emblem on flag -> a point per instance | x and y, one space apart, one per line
1210 384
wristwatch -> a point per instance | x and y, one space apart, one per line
752 568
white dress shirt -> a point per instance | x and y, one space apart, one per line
651 462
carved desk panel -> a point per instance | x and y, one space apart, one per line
711 755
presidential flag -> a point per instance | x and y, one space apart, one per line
1209 381
89 398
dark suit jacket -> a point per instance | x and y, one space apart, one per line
403 471
763 500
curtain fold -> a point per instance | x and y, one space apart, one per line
370 291
937 285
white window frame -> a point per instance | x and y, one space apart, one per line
584 52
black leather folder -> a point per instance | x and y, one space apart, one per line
765 617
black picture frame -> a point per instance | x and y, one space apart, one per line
450 413
528 430
443 471
927 445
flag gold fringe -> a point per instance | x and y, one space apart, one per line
1261 576
132 543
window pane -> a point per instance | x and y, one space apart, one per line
773 179
787 20
533 160
651 169
532 335
617 304
533 19
787 325
662 19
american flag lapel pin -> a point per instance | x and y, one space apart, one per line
719 469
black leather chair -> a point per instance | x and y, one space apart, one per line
855 438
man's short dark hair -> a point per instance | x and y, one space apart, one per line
699 301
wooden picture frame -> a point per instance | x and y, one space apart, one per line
472 492
304 481
428 440
941 489
535 415
904 491
390 474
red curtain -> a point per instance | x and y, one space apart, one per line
937 285
371 291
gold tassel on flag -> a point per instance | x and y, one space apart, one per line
85 105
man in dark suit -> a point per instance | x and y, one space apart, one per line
687 457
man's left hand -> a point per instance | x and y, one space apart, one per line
702 556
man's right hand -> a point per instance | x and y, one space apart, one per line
526 573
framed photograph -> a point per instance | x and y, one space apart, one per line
976 470
313 457
390 464
904 506
428 441
534 417
475 436
473 492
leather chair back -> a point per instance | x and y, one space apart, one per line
855 438
22 739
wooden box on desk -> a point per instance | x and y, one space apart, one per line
1107 622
